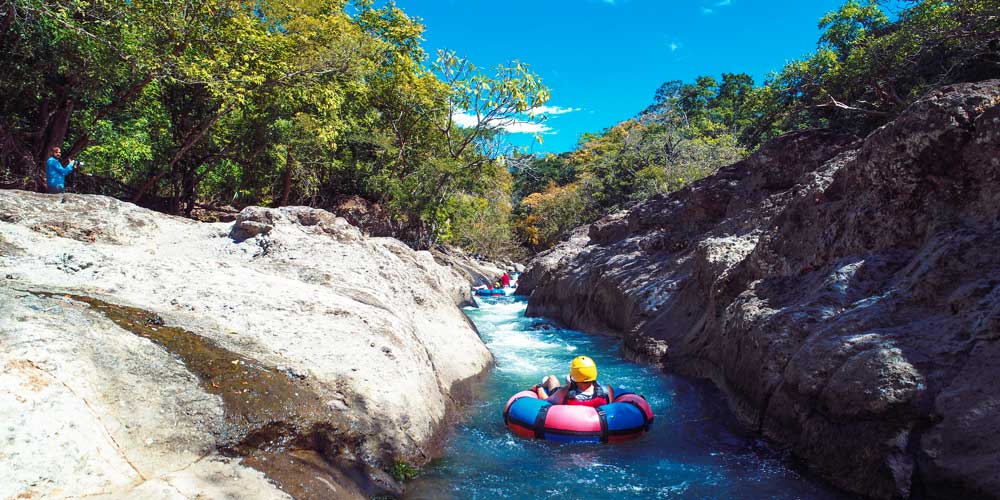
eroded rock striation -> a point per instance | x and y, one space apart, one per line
284 354
843 292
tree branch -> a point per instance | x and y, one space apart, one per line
834 103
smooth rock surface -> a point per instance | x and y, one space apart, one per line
475 271
844 293
366 326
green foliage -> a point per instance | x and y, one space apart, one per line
866 69
305 101
851 25
546 216
402 472
261 102
687 133
533 173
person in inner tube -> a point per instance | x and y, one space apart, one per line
582 389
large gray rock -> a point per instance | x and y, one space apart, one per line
348 352
475 271
844 294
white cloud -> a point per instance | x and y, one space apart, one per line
513 126
706 10
674 46
525 127
551 110
464 120
724 3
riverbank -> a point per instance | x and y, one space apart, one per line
842 292
150 355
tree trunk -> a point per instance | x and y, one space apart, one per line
8 19
146 185
54 135
189 143
175 194
186 197
287 189
57 128
17 159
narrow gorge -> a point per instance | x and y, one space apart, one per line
369 250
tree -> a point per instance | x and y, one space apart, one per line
850 25
546 216
534 173
68 65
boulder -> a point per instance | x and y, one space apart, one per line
842 292
367 216
283 354
475 271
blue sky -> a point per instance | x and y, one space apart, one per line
604 58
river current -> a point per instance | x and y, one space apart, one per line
694 450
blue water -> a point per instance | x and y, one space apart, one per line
694 450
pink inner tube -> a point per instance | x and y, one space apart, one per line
627 417
573 418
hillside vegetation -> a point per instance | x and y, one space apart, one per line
867 68
180 104
171 104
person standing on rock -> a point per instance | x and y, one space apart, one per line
583 389
55 172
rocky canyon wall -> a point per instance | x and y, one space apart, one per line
843 292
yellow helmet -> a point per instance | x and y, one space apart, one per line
583 369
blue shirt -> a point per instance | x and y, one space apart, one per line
56 173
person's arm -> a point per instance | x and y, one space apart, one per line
65 170
557 397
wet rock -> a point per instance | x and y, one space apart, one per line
543 326
843 293
304 290
84 404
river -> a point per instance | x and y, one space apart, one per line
695 448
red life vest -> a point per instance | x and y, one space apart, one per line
600 397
